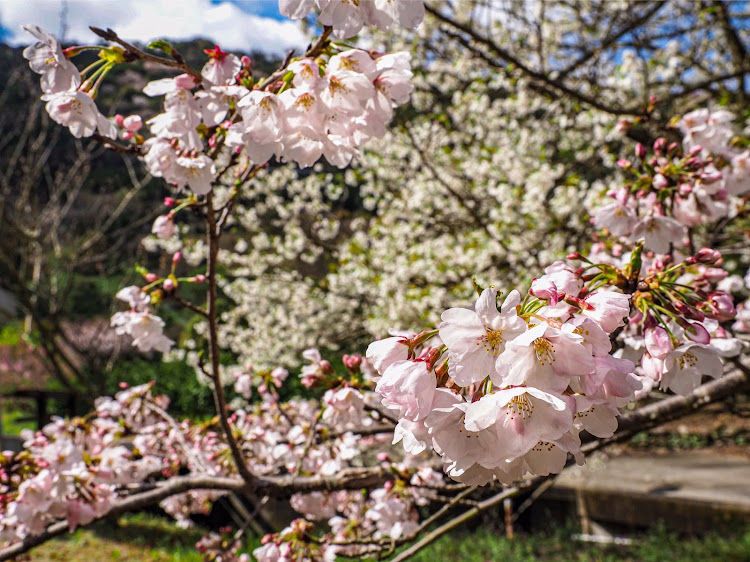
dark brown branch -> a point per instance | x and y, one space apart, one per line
212 240
187 304
510 60
116 146
672 408
612 39
135 53
736 45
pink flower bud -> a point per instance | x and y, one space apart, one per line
711 177
168 285
544 288
659 144
176 257
119 120
163 226
326 367
721 306
199 279
658 342
133 123
382 457
685 189
151 277
247 62
169 202
352 362
715 274
694 151
698 333
660 181
640 151
127 135
652 367
623 163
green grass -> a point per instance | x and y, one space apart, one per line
656 546
135 538
12 424
143 537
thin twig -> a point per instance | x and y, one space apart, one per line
135 53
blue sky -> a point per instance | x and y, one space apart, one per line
240 25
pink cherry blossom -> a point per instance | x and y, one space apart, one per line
476 338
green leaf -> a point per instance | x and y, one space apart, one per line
161 45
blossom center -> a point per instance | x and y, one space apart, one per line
520 406
336 87
581 332
687 360
491 340
545 351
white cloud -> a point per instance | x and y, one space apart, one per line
146 20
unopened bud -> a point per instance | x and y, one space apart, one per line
712 177
199 279
640 151
169 202
176 257
151 277
352 362
659 144
169 284
624 164
660 181
694 151
326 367
119 119
707 256
247 62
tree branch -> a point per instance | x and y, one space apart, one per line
136 53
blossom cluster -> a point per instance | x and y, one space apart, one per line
146 329
70 99
347 17
325 106
70 474
506 390
672 190
77 470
